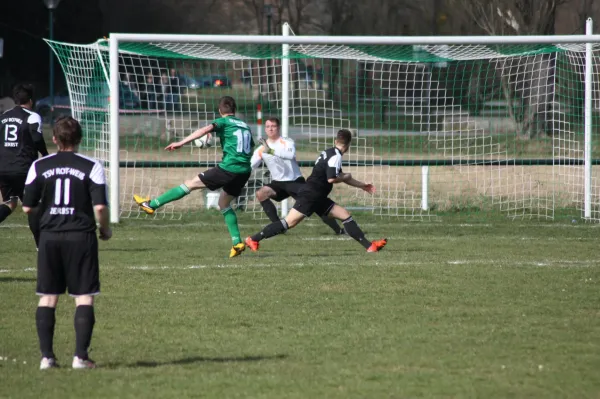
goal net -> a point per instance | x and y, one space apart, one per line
474 130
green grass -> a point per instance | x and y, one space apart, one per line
490 309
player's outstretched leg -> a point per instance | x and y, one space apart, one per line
174 194
281 226
332 223
355 231
84 321
232 224
45 321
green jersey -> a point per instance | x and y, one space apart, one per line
236 142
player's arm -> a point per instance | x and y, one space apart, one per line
256 158
285 151
35 130
349 180
99 198
194 136
335 175
33 189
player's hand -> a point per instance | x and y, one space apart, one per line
105 234
268 149
369 188
173 146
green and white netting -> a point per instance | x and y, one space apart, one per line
475 129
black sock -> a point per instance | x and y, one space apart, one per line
271 230
333 224
270 210
34 226
355 232
44 321
84 325
4 212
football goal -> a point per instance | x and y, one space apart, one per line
474 126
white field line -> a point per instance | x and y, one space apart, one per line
458 262
402 238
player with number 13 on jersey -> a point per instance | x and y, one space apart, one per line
20 141
231 174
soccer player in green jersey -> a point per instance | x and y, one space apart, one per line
231 174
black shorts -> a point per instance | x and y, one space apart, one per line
231 183
68 260
285 189
309 202
12 186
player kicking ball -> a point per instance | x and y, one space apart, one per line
313 198
279 155
231 174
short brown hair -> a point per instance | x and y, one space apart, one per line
275 120
22 94
227 105
67 132
344 137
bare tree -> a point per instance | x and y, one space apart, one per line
501 17
529 79
257 8
584 11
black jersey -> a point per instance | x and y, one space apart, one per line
66 186
17 142
328 166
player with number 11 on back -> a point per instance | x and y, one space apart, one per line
231 174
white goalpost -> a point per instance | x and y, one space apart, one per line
441 124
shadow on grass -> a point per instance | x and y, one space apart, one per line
193 359
16 279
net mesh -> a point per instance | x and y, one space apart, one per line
501 127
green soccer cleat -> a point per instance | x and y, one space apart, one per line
144 204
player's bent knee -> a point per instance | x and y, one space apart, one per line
48 301
225 200
194 184
264 194
339 213
84 300
293 218
260 195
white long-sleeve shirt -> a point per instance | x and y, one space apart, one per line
282 164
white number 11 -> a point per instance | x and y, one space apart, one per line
65 192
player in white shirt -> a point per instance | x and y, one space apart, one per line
279 155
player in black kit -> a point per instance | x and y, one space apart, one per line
20 141
313 197
69 192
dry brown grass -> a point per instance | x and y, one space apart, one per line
509 188
513 189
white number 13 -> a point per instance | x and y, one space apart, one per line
10 133
243 140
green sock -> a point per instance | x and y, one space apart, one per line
169 196
232 225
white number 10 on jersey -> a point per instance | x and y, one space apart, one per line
243 140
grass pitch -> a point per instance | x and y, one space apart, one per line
496 309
